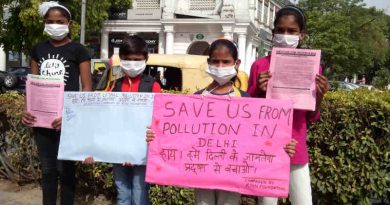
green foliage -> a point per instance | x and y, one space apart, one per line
18 154
169 195
350 147
353 39
95 180
382 78
25 26
349 150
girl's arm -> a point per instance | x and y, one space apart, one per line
322 86
85 75
290 147
149 134
34 67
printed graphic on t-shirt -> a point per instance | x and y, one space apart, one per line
54 66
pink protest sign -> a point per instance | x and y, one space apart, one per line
226 143
44 98
293 76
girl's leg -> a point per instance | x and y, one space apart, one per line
67 172
228 198
300 187
205 197
47 143
123 180
267 201
140 187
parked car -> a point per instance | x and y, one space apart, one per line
341 85
15 79
368 87
2 76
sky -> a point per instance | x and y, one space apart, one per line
380 4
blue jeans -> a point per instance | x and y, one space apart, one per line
130 185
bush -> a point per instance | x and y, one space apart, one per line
18 154
382 78
349 150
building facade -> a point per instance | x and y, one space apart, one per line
189 26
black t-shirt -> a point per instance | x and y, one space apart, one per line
61 61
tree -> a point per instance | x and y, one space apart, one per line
25 27
353 39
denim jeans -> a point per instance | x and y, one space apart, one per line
131 186
47 141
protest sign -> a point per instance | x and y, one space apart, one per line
293 76
110 126
44 96
226 143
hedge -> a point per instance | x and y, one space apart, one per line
349 150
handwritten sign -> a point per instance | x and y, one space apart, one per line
109 126
226 143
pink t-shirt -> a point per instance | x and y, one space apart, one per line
299 119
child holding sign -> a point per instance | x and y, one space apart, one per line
130 179
223 65
63 58
288 32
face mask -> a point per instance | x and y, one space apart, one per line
222 75
133 68
285 41
57 31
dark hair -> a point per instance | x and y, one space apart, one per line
133 45
224 43
64 12
294 11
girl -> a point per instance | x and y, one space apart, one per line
58 56
223 65
288 32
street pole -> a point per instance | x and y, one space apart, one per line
82 33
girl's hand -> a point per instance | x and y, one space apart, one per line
57 123
28 119
322 86
149 134
290 147
89 160
127 164
262 81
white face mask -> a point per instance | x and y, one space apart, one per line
133 68
57 31
222 75
285 41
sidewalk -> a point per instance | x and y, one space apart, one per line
12 194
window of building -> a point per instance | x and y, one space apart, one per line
265 14
271 15
259 11
200 5
146 4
